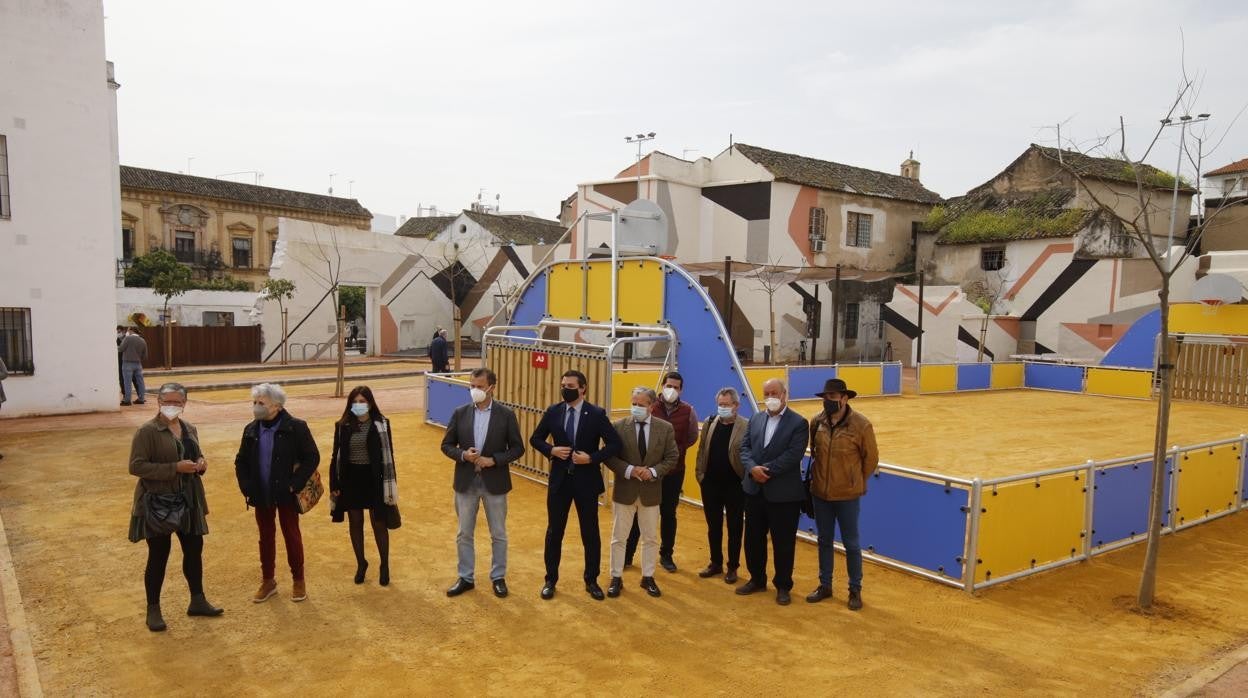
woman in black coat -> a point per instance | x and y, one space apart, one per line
361 477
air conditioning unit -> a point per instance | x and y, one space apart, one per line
818 245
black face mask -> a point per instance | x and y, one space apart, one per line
831 407
570 394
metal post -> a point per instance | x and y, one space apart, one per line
1089 502
918 357
285 340
814 340
615 270
732 301
972 537
1173 460
836 311
727 281
1243 459
1174 204
342 321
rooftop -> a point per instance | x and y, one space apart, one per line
517 229
424 226
834 176
1112 169
1233 168
158 180
985 216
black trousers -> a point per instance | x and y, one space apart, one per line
558 504
671 485
158 557
779 520
720 496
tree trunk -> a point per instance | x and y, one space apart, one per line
771 314
456 320
339 389
285 344
1156 505
983 338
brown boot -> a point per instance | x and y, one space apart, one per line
266 591
855 600
298 591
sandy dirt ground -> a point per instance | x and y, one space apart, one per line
278 373
65 497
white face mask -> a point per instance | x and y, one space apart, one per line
639 412
171 412
724 412
772 403
670 394
359 409
478 395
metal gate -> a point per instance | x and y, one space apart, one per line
1210 368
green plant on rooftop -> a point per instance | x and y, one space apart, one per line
1011 224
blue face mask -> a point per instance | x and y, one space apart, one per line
724 412
359 409
639 412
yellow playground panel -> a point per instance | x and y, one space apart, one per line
1208 480
1007 375
1195 318
938 378
867 380
758 375
575 292
624 380
1028 523
1119 382
565 295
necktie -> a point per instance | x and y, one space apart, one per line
641 441
569 428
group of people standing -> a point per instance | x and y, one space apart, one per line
277 459
749 472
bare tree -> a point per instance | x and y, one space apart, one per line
1135 212
325 248
986 292
772 277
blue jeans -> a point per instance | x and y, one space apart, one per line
132 373
466 507
844 514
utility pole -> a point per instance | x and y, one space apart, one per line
639 139
836 311
342 324
918 357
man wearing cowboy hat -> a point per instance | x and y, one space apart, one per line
843 457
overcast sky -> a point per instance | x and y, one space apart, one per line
427 103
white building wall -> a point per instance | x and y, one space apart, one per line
57 256
187 309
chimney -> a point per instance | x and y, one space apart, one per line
910 167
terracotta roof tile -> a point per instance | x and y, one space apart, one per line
157 180
834 176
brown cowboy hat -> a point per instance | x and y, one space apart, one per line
836 385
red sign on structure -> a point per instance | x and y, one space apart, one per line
539 359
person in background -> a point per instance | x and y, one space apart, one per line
362 478
275 459
583 438
771 454
483 439
121 379
843 457
719 473
133 351
165 456
438 353
681 415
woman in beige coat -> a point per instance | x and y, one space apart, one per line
166 457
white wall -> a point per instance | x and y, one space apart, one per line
187 309
57 253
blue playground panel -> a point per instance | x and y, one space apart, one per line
441 399
530 309
892 379
974 376
1138 347
1120 501
918 522
703 355
1053 377
805 381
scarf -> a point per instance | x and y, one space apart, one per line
389 480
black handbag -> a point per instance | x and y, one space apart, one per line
393 520
163 514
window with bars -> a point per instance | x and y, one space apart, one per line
851 321
5 209
858 229
127 243
242 253
15 340
184 246
992 258
818 223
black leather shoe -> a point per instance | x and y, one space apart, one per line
782 597
651 588
855 600
200 607
548 591
711 571
594 591
140 402
124 403
819 594
360 569
155 622
383 578
615 587
460 586
666 562
731 576
750 587
500 587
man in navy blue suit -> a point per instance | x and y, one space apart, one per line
771 454
583 438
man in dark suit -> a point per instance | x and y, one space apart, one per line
437 353
483 438
771 454
648 455
583 439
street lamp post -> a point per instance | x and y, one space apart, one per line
1183 122
639 139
